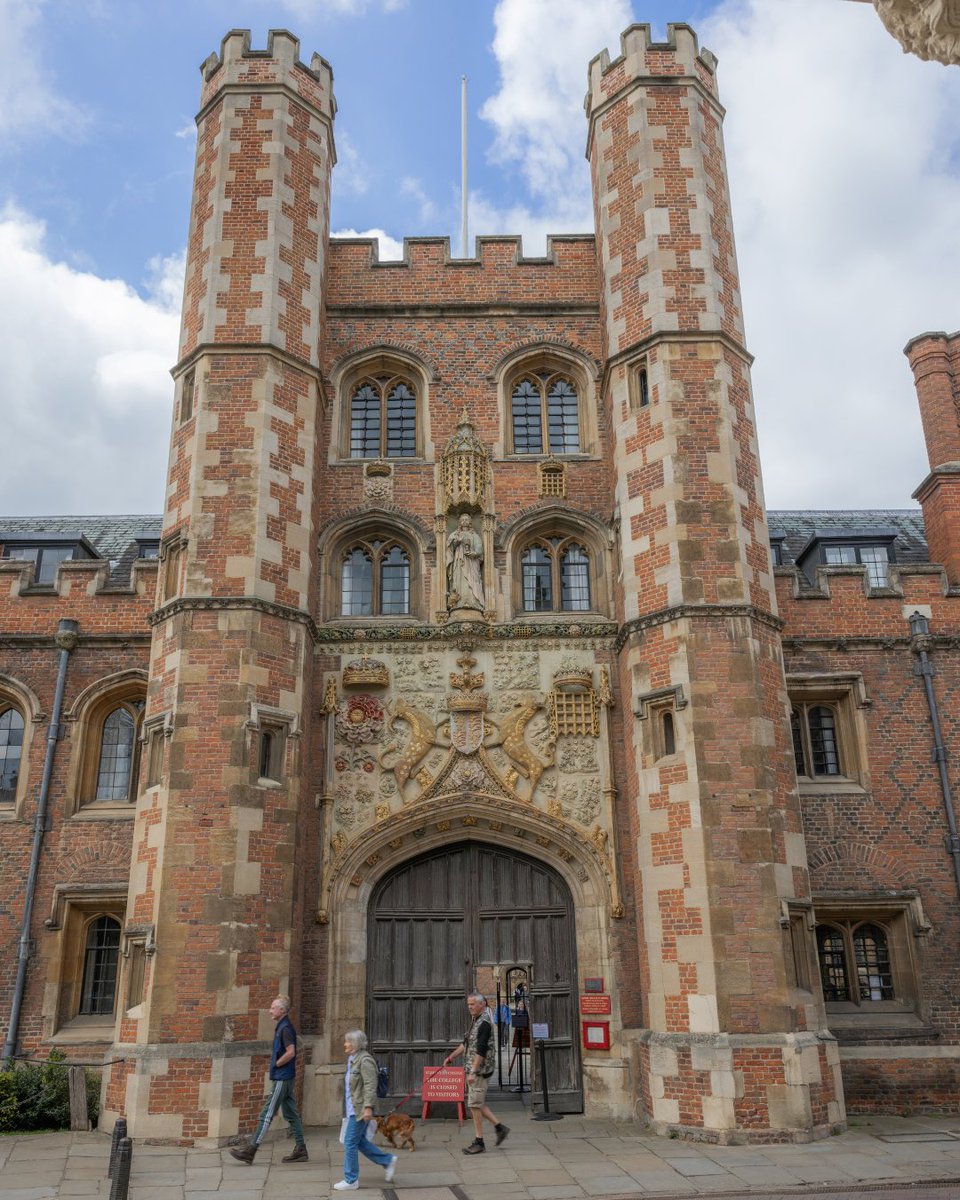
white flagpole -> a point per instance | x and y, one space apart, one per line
464 241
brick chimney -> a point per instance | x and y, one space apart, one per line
935 361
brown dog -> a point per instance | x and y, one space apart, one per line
397 1124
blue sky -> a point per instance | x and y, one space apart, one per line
843 156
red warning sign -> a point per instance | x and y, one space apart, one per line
595 1006
444 1086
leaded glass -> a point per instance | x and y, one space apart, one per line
563 419
536 574
116 756
527 426
401 422
575 580
395 582
100 960
365 422
11 749
356 587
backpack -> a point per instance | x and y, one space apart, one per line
383 1082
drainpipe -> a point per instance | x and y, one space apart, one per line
920 644
66 640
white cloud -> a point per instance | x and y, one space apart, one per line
351 174
845 203
537 113
86 387
28 102
414 189
310 9
389 247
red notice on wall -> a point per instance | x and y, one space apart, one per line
595 1006
444 1086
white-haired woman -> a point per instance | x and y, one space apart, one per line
359 1094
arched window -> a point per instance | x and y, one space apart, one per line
108 741
855 963
117 753
101 958
11 750
383 418
816 747
545 414
555 576
375 580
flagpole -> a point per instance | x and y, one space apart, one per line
464 240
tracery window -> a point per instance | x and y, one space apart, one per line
375 579
108 745
545 414
383 418
855 963
11 751
555 576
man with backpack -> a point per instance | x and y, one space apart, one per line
479 1045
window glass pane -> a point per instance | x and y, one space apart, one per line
395 582
535 568
798 755
365 422
100 959
116 756
563 418
50 558
575 580
356 588
11 747
401 422
24 553
874 977
837 555
875 560
527 429
266 768
833 964
823 740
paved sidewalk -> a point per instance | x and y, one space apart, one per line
884 1157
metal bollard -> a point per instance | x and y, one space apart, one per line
119 1131
546 1115
121 1174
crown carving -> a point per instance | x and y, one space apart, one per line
571 676
366 672
468 703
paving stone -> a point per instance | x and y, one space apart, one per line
695 1166
555 1193
611 1185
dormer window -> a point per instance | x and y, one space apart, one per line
874 558
45 554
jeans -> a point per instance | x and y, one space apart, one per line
281 1096
354 1140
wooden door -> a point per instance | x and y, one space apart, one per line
432 922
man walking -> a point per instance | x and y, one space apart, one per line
479 1045
283 1070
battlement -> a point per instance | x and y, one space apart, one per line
428 274
642 58
238 65
77 578
841 603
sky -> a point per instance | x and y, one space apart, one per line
844 162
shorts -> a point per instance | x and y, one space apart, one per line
477 1091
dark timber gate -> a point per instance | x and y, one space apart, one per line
432 921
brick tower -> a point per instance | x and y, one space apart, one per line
732 1047
935 361
213 886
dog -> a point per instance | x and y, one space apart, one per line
397 1125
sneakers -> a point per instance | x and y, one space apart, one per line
475 1147
390 1169
501 1131
343 1186
297 1154
246 1154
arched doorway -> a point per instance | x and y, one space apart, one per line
434 922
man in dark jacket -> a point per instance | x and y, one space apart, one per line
283 1071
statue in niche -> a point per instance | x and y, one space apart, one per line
465 566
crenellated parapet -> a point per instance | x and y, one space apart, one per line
428 275
87 587
239 65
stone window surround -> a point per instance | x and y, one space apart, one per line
381 360
844 692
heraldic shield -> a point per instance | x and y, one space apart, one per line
467 726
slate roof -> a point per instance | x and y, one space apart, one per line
796 528
113 538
